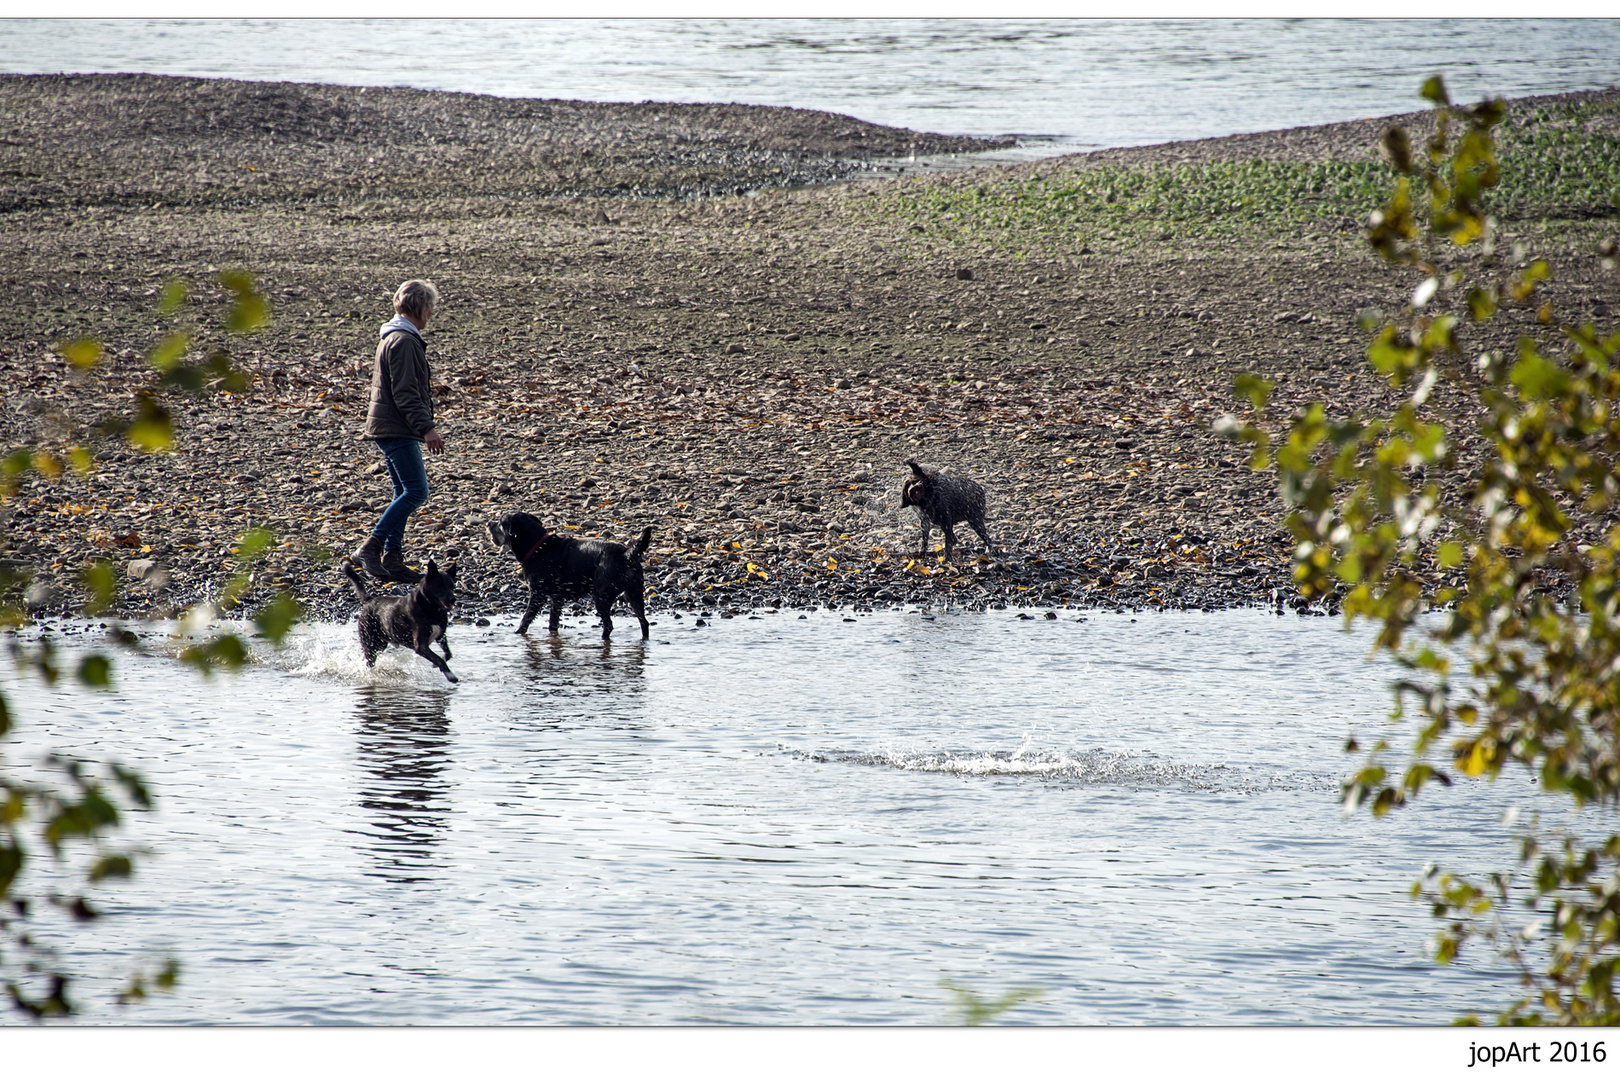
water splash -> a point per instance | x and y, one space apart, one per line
332 651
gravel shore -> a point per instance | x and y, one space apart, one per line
707 319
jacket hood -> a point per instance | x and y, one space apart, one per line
400 322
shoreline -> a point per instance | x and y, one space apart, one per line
746 373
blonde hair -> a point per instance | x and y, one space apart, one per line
416 298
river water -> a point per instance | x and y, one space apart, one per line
1064 85
778 820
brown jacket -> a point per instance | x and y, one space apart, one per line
401 389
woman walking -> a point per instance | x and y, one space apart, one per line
400 422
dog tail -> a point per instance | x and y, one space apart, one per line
639 548
359 583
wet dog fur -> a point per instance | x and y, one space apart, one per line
565 568
943 500
412 621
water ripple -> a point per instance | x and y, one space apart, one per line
1136 771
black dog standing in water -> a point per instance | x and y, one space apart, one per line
564 568
413 621
944 500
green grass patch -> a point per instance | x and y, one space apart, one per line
1075 205
1560 161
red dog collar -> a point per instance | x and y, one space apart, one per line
544 536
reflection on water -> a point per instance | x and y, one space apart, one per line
783 821
404 748
562 673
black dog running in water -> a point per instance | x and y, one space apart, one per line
944 500
565 568
413 621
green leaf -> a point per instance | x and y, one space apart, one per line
166 354
250 310
175 293
254 542
11 864
1450 554
276 618
152 429
1434 89
1439 337
112 866
226 651
1398 148
102 581
96 670
1392 359
1537 377
1256 389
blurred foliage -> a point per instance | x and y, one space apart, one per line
1565 161
74 817
971 1010
1533 617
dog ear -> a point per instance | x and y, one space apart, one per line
916 468
450 571
433 567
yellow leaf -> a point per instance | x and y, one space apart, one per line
81 352
47 464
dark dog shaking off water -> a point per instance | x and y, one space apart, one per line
413 621
944 500
564 568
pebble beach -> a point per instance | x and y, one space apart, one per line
733 324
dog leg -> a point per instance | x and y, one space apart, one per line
927 527
422 646
978 527
556 613
638 604
444 643
433 658
950 538
370 634
533 609
604 611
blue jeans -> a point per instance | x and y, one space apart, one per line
405 468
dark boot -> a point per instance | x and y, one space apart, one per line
393 563
370 557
